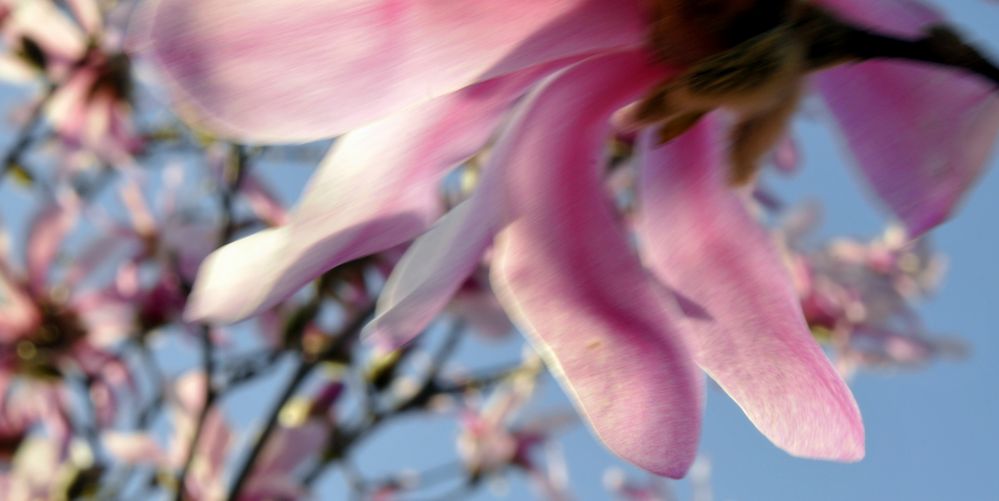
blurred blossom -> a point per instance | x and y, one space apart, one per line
159 246
486 442
423 90
49 326
90 107
574 169
475 303
787 156
658 489
859 296
258 195
291 445
27 407
494 437
653 489
41 470
166 231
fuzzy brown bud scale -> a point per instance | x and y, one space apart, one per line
748 56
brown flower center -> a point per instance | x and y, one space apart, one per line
748 56
39 353
684 32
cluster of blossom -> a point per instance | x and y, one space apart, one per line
858 297
131 241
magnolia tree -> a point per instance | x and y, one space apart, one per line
178 321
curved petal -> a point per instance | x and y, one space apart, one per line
746 327
567 275
920 134
46 233
432 270
47 26
133 447
18 315
87 14
291 447
905 18
376 189
439 261
306 69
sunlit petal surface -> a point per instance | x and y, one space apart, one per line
306 69
920 135
566 274
746 329
376 189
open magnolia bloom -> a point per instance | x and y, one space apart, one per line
422 86
90 109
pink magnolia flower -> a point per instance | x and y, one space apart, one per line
860 296
159 246
476 305
273 476
162 238
24 406
48 319
424 86
625 489
41 470
658 489
493 436
90 108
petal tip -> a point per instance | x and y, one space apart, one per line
193 314
675 469
847 446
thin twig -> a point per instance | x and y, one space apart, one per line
939 46
302 371
832 41
250 367
25 135
233 175
338 443
208 366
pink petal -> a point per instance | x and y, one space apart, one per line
747 330
218 437
189 391
18 315
108 318
87 14
377 188
48 27
566 273
45 235
438 263
290 447
262 201
133 448
920 134
68 108
476 305
433 269
905 18
307 69
141 216
787 157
